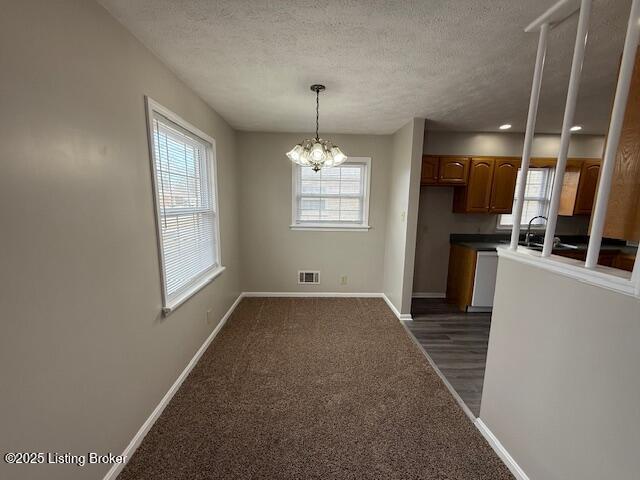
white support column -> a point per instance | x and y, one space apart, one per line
567 123
615 128
528 137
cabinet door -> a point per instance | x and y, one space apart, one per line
429 175
623 214
478 191
587 186
453 170
505 174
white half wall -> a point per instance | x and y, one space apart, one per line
561 388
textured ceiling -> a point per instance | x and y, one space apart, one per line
463 64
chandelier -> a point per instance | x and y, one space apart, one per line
316 152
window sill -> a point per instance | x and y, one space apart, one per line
603 277
195 288
331 228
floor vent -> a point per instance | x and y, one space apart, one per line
309 277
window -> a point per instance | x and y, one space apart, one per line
333 198
184 173
537 197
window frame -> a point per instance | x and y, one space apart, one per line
334 226
171 302
500 225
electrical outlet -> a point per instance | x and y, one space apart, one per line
343 280
209 319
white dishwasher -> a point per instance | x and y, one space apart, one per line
484 284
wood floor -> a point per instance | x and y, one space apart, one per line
456 342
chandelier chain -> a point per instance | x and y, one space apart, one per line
317 111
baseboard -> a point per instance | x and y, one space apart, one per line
146 426
312 294
502 452
403 317
428 295
472 309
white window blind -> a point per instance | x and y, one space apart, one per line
537 197
332 197
184 172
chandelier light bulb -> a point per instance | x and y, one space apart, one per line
317 153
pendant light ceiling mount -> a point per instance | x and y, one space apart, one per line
316 152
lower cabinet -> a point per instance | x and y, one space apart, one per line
607 258
471 280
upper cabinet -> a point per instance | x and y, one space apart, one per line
623 214
438 170
453 170
429 175
579 187
488 184
476 196
505 174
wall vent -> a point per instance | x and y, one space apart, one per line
309 277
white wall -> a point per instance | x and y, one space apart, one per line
403 214
272 253
436 220
561 387
85 355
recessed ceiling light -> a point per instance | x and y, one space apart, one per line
506 126
576 128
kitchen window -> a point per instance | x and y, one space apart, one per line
334 198
537 197
184 177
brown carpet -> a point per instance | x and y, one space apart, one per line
313 388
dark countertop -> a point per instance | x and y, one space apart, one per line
490 242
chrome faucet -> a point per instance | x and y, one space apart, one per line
527 237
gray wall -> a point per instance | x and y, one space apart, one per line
561 387
402 217
272 253
85 355
436 221
509 144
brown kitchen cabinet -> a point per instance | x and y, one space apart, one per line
624 261
503 185
579 187
429 174
461 275
623 215
475 197
607 258
453 170
444 170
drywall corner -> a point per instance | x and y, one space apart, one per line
402 215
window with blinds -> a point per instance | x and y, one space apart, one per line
334 197
184 178
537 197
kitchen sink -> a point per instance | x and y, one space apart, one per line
558 246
